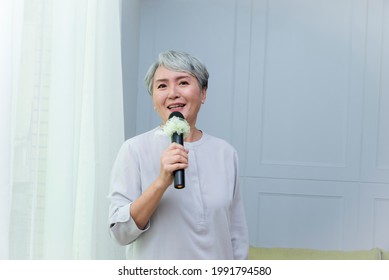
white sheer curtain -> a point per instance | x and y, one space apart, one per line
61 126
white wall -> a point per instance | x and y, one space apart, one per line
298 88
130 19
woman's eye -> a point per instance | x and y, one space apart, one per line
161 86
184 83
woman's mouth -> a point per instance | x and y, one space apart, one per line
175 106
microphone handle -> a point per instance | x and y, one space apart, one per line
179 175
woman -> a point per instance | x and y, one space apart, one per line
204 220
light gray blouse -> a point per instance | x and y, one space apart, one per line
205 220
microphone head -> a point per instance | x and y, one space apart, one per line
176 114
176 124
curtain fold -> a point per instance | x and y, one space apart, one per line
64 132
10 33
5 127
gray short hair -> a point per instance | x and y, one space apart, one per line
180 62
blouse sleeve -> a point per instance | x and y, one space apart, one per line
239 231
125 187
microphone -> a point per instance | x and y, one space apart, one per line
179 175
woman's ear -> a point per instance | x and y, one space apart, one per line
203 95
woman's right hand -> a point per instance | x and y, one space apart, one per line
173 158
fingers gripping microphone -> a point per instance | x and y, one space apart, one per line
179 175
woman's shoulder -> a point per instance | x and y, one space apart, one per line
218 142
142 136
144 139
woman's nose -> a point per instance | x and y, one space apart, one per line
173 93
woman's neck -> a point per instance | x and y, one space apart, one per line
194 135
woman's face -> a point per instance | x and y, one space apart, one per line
177 91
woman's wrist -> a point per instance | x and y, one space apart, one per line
162 183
